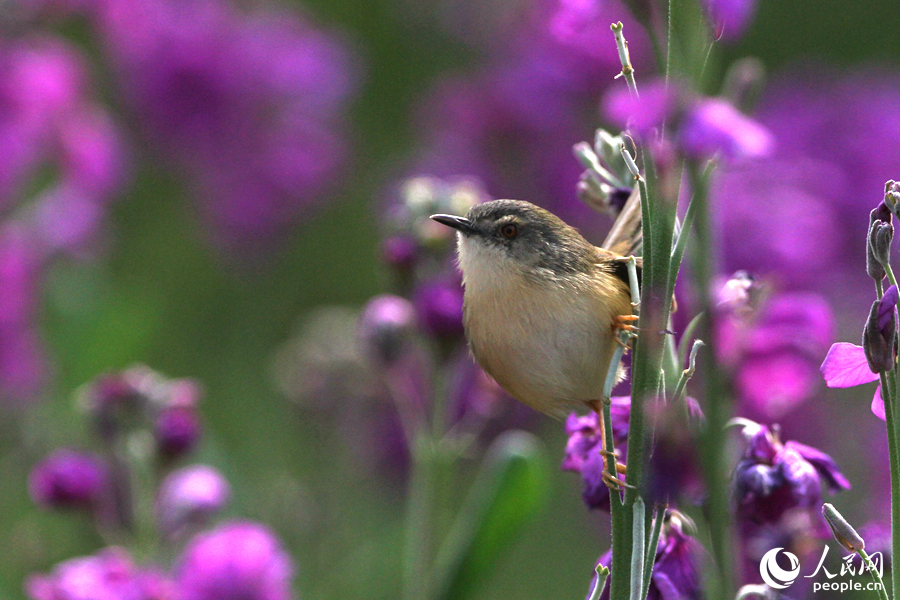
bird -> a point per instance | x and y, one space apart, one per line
543 306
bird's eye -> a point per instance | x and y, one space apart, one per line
509 231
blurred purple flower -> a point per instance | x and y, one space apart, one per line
777 219
845 366
189 497
385 327
49 118
714 126
774 477
439 306
177 430
69 479
237 561
247 105
775 351
108 575
676 566
583 449
730 18
657 102
672 468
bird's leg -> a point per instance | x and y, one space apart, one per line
611 481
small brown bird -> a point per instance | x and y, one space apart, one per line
543 306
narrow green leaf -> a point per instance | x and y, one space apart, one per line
511 489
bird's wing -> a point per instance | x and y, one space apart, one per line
626 236
616 264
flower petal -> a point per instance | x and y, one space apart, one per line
878 405
824 464
845 366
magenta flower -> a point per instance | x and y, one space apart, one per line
108 575
774 351
657 102
845 366
715 126
69 479
237 561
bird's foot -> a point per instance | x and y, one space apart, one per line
623 323
612 481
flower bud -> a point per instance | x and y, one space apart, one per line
400 252
68 479
878 335
177 430
878 249
892 195
439 306
236 560
190 496
385 326
842 530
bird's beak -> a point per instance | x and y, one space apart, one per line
461 224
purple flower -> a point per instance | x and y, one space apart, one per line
108 575
793 239
385 326
730 18
189 497
583 449
657 102
400 252
69 479
845 366
774 478
774 351
676 566
247 105
439 306
239 560
177 430
714 126
672 467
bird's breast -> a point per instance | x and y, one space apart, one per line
549 344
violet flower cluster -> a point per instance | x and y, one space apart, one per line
63 164
132 414
248 105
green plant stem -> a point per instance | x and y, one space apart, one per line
652 544
419 534
717 403
887 395
882 593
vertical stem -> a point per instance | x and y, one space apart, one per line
419 538
717 405
888 396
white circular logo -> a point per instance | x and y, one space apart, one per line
776 577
